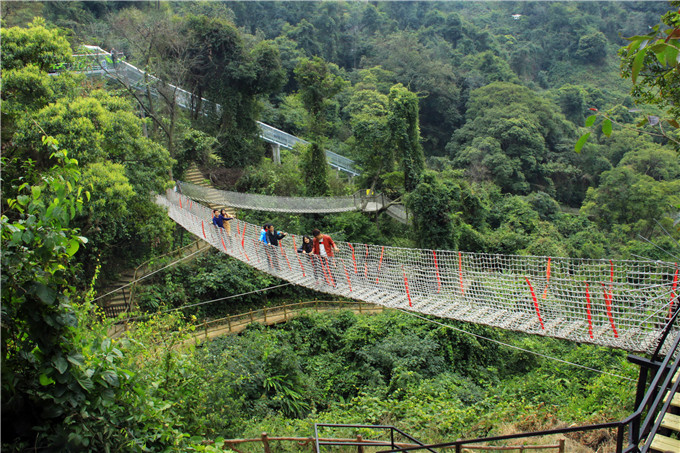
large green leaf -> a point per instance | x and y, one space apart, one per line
607 127
591 120
60 364
660 52
45 380
637 64
76 359
111 378
581 141
672 54
44 293
86 383
73 246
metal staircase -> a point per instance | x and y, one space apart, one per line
669 441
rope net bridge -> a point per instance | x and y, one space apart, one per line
297 205
615 303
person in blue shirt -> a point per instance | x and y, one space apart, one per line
217 220
263 234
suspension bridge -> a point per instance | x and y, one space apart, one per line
615 303
359 201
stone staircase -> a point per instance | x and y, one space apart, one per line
194 176
119 301
669 438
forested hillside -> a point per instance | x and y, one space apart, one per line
472 114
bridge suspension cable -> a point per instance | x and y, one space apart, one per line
616 303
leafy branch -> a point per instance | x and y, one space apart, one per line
652 61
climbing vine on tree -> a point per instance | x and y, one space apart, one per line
405 131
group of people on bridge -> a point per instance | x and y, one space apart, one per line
320 248
221 219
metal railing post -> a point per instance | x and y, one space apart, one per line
619 439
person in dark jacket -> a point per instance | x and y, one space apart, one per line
273 238
307 246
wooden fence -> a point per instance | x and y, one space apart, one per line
274 315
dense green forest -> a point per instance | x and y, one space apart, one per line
512 128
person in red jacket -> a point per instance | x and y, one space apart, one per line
324 248
323 244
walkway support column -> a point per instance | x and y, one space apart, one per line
276 153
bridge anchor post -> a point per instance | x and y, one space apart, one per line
276 153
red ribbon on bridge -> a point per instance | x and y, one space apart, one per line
408 293
533 295
243 242
382 250
349 283
608 302
436 268
353 260
675 285
590 319
547 280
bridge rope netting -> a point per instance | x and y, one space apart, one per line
296 205
616 303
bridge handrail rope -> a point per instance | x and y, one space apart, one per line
616 303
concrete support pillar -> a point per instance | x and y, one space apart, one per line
276 153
